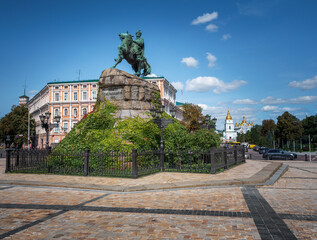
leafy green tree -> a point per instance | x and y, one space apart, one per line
191 114
289 127
15 124
310 128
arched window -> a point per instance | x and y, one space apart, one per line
56 112
75 112
84 111
65 111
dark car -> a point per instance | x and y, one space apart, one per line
263 149
256 148
280 154
265 153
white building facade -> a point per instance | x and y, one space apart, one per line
229 133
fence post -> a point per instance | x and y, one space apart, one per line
86 163
212 161
306 159
134 163
243 152
8 160
235 155
162 158
225 158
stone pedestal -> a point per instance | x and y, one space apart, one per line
133 95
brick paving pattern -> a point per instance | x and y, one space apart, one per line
285 210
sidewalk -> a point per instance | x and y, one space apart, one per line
252 172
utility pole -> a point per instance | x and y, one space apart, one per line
309 147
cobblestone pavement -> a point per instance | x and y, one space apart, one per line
285 210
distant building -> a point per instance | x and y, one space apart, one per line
243 127
168 94
71 100
229 133
23 100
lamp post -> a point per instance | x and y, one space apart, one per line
49 126
162 123
207 124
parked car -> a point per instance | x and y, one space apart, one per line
265 153
262 150
280 154
256 148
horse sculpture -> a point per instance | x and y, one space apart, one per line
132 50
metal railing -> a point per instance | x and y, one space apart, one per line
131 164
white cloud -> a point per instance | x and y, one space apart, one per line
272 100
33 92
277 109
190 62
207 17
304 100
178 85
226 37
204 84
269 108
212 28
299 100
246 101
307 84
211 59
152 75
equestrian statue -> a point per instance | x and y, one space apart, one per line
132 50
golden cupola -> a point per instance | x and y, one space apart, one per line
244 121
228 116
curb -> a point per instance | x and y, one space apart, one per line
260 178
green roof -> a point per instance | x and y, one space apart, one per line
179 103
151 77
76 81
23 96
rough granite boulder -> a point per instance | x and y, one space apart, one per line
133 95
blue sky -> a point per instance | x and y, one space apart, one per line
257 58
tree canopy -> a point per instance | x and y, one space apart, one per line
15 125
191 114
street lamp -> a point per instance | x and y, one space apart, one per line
49 126
162 123
206 123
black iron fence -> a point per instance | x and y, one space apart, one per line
133 163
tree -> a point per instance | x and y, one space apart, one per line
15 124
268 126
191 114
310 128
289 128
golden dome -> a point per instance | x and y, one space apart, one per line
228 116
243 120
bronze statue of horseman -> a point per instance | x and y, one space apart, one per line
132 50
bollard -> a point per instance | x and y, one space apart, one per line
250 156
306 159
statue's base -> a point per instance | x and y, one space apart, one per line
133 95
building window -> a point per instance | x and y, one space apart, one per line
75 96
65 126
84 86
65 96
56 97
56 112
75 86
75 112
65 111
94 85
56 87
66 87
56 129
94 95
84 95
84 111
74 124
